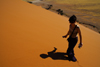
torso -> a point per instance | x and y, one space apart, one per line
74 35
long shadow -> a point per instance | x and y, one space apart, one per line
55 55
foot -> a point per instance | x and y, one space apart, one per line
74 59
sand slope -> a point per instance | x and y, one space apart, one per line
27 31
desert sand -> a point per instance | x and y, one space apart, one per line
27 31
87 15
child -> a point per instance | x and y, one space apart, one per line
73 30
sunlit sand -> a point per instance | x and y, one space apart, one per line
27 31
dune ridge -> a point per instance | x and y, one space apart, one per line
27 31
87 14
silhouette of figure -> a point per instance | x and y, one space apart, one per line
73 30
55 55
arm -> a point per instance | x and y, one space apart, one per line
66 34
80 36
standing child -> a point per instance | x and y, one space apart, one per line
73 30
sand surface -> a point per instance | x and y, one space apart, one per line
89 17
27 31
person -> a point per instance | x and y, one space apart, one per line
73 31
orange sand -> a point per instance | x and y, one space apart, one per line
26 31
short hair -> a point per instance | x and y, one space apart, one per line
72 19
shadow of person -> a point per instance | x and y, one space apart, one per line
55 55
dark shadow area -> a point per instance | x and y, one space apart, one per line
60 11
55 55
49 7
29 2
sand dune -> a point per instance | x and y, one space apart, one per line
27 31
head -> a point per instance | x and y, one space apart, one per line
72 19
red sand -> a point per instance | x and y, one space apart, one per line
26 31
